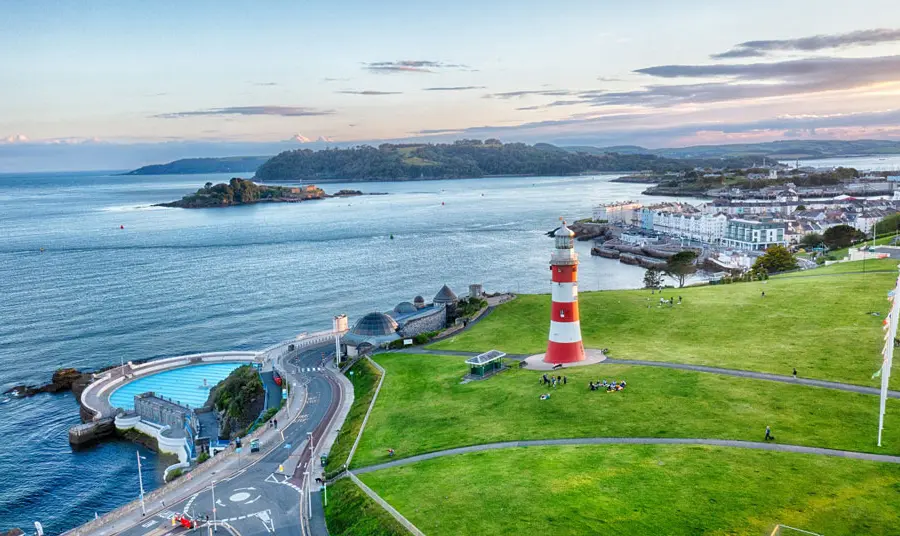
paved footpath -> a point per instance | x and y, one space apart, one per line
777 447
696 368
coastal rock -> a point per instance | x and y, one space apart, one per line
12 532
62 380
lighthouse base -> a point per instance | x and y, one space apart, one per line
536 362
564 352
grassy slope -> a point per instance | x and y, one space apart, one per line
422 407
365 379
817 324
351 512
642 490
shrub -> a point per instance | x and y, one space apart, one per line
202 457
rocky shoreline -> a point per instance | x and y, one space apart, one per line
64 379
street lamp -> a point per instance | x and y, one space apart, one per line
141 481
212 486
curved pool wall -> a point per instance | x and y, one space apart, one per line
183 385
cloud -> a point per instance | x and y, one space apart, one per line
283 111
528 92
16 138
751 49
299 138
753 81
369 92
335 79
412 66
324 139
452 88
608 79
265 83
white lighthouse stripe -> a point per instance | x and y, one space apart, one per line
565 331
564 292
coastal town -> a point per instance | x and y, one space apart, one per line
730 231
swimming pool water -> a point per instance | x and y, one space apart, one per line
183 385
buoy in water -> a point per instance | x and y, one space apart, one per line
442 203
121 227
392 236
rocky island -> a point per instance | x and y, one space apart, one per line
245 192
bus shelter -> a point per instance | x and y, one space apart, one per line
486 364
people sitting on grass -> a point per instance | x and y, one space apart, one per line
610 386
545 396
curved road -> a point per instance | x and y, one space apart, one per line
259 498
634 441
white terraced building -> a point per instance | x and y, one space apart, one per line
627 212
753 234
703 227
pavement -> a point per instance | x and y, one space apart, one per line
777 447
259 493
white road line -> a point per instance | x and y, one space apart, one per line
187 505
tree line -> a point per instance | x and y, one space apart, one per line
461 159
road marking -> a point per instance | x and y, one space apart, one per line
187 505
251 501
239 497
219 502
168 514
149 524
242 489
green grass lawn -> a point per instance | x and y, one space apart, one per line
642 490
351 512
845 267
819 325
365 380
423 407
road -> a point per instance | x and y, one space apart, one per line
264 495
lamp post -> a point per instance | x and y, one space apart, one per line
141 482
212 487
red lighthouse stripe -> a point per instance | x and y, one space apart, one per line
564 273
564 352
564 312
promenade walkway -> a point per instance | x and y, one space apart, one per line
776 447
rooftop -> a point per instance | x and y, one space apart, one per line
487 357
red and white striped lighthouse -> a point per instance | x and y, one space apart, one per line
565 344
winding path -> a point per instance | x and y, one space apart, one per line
861 389
777 447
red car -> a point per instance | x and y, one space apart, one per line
185 521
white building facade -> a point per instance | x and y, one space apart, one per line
625 212
753 234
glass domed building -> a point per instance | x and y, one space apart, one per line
375 325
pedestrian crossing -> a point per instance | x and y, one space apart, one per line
312 369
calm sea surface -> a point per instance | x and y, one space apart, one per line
175 281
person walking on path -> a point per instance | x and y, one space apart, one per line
795 373
565 380
769 435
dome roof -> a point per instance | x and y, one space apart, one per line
445 295
564 231
419 299
405 307
375 324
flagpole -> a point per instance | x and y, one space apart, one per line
890 324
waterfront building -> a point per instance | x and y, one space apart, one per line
623 212
564 344
404 321
754 235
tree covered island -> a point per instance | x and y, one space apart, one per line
245 192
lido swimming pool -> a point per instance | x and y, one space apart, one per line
187 386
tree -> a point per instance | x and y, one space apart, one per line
841 236
776 259
207 186
680 266
652 278
812 240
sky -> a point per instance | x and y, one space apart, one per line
109 85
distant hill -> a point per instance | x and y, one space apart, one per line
783 149
187 166
461 159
